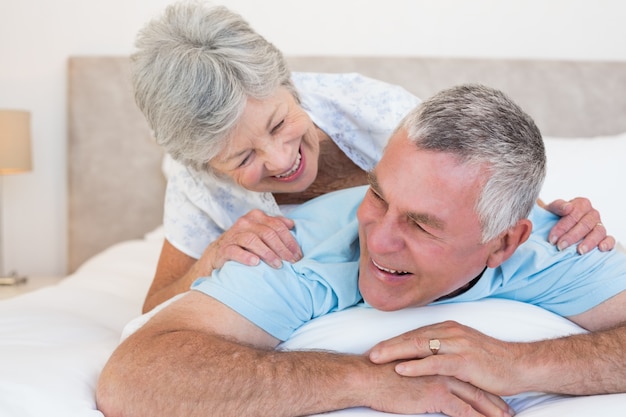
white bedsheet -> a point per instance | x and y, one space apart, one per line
54 341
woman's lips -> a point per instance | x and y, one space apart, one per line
294 172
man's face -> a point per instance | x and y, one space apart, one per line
420 237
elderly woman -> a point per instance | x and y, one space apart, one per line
245 136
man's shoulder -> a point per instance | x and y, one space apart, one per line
336 206
327 225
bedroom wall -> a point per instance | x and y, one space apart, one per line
37 36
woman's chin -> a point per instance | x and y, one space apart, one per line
276 186
291 187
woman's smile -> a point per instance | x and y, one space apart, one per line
294 172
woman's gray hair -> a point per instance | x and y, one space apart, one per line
482 126
193 71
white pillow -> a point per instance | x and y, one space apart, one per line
357 329
590 167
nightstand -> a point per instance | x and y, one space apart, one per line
32 283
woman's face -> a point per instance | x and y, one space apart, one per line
273 148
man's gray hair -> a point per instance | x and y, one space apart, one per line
193 71
482 126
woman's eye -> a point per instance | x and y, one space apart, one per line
278 126
245 160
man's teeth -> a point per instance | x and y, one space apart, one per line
391 271
293 169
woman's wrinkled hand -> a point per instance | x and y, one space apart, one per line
254 237
579 222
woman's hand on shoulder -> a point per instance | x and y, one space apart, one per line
579 222
254 237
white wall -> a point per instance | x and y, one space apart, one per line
37 36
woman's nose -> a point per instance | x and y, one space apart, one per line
278 157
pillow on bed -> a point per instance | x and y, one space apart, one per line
357 329
590 167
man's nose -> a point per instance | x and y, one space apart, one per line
385 236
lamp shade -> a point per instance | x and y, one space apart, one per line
15 154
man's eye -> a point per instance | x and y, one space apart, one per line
419 226
376 195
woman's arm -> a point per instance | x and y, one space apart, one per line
253 238
174 274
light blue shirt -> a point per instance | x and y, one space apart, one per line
325 280
358 113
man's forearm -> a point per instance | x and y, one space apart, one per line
585 364
179 363
184 377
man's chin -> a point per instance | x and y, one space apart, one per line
383 297
387 303
386 307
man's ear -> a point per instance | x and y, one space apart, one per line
508 242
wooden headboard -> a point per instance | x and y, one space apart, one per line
116 187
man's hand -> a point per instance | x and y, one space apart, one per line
465 353
436 394
579 221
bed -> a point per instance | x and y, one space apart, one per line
54 341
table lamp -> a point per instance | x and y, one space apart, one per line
15 157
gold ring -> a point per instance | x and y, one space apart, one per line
599 224
434 345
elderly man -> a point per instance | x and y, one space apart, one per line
445 219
